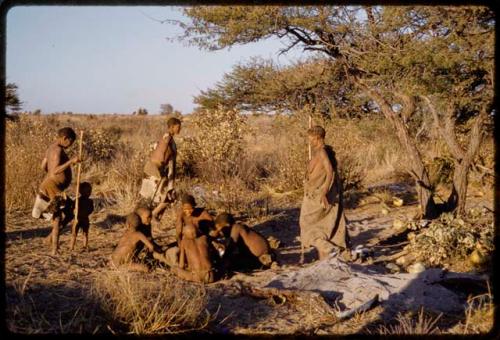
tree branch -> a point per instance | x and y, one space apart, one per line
446 131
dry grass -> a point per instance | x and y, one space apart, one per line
146 305
421 324
269 172
479 315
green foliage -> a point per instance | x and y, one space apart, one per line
12 101
262 86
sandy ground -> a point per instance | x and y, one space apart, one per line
59 282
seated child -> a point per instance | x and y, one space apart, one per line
195 252
243 247
85 208
189 214
123 255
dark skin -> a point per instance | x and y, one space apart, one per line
198 217
146 217
239 235
161 155
194 253
123 255
85 208
57 165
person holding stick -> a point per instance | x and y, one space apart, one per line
51 196
322 220
74 227
159 172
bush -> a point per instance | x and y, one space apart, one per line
214 150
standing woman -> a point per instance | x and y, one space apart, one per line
322 221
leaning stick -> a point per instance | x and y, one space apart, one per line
77 198
310 156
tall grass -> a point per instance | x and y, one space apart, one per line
150 306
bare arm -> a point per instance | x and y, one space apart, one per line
178 225
145 240
44 163
182 255
55 158
165 143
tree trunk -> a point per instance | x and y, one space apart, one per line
456 200
416 166
463 158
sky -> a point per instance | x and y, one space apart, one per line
113 59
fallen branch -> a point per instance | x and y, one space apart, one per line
390 257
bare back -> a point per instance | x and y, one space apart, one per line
127 245
164 151
255 242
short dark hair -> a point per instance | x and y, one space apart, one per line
317 131
188 199
133 220
140 210
85 188
224 219
173 121
67 132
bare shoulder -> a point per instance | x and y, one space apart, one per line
54 148
206 215
239 226
166 138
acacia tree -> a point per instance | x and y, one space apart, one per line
262 86
392 55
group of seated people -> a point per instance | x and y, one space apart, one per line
205 250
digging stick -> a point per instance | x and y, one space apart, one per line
160 183
310 156
77 194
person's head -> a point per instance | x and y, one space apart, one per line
189 232
188 204
316 135
223 220
145 215
133 221
85 189
174 125
66 136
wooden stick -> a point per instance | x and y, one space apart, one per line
310 156
77 198
309 144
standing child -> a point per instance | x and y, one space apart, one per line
51 194
85 208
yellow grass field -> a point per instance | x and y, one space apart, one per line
250 165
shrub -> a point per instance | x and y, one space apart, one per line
218 144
